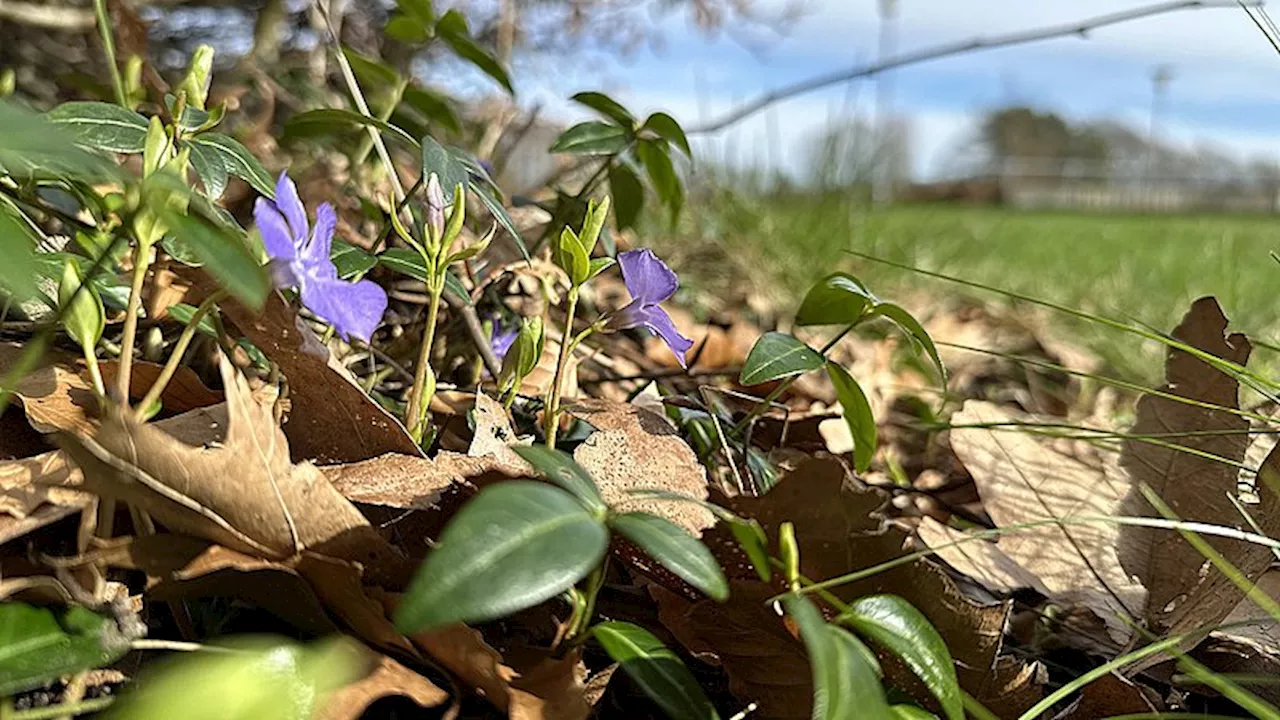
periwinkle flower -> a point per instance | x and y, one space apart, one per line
300 258
650 282
502 338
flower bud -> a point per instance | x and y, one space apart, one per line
435 211
199 73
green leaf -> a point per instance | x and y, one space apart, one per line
408 30
676 550
33 146
607 107
452 28
628 194
406 262
778 355
371 73
325 121
437 159
454 286
101 126
591 138
489 197
350 260
656 669
837 299
185 313
82 313
920 339
572 257
845 682
668 129
193 118
911 712
662 175
560 468
38 645
433 106
225 255
896 625
514 545
260 678
857 414
755 543
17 247
238 161
599 265
209 166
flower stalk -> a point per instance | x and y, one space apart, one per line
551 415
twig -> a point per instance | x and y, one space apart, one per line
1081 28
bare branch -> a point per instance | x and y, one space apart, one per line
1081 28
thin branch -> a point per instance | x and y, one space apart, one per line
1081 28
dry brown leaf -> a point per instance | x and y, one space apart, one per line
1251 650
54 396
332 419
408 482
184 392
387 679
1022 480
494 435
244 493
635 449
553 689
1186 592
1112 695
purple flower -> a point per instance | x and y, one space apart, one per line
300 258
650 282
502 338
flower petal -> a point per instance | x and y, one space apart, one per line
502 339
288 203
657 320
647 278
274 231
315 256
354 309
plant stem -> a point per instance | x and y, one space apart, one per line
416 411
141 259
95 374
179 349
109 49
782 386
552 411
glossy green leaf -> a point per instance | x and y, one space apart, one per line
676 550
101 126
778 355
591 138
755 543
406 262
599 265
489 197
845 683
408 30
433 106
350 260
208 164
38 645
437 159
453 288
18 248
238 161
897 626
628 194
668 129
857 414
920 339
261 678
452 28
370 73
656 669
325 121
662 175
837 299
185 313
911 712
560 468
572 257
82 314
32 146
607 107
225 255
514 545
193 118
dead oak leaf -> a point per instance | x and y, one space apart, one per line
388 678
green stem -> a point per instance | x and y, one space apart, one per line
95 373
552 411
109 49
56 711
141 259
179 349
763 405
416 411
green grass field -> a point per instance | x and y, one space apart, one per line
1144 268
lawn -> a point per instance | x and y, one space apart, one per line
1144 268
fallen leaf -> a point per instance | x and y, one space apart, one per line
553 689
635 449
1185 591
1248 652
1112 695
184 392
54 395
493 435
409 482
243 493
387 679
1022 480
332 420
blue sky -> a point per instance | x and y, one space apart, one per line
1225 90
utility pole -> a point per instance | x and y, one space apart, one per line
882 182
